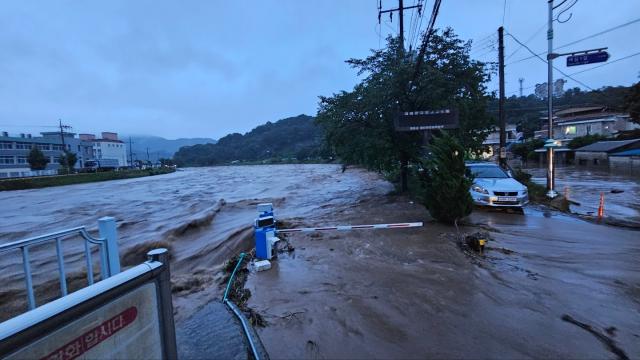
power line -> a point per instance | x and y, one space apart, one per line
607 63
545 61
529 39
580 40
504 11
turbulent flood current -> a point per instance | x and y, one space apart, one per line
204 216
548 284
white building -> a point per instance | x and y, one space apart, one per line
108 151
492 142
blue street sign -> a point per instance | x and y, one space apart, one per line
591 58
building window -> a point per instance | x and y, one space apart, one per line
6 145
588 129
57 147
570 130
6 160
55 159
43 146
23 146
22 159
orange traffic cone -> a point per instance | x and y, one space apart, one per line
601 207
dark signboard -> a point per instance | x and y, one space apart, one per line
427 120
591 58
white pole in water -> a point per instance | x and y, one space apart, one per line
353 227
108 230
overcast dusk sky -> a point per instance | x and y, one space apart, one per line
208 68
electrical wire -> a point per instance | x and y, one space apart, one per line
579 40
528 40
504 11
607 63
545 61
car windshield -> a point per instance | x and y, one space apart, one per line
488 172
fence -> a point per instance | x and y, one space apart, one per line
107 246
128 315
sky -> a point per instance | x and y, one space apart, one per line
208 68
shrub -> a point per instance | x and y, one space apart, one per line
446 180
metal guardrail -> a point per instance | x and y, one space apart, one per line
41 332
107 245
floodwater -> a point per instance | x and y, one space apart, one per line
394 293
584 185
412 293
204 216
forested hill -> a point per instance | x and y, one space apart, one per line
287 139
526 111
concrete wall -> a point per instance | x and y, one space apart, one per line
591 158
625 163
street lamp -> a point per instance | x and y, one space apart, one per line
550 144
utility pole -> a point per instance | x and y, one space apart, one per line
502 156
404 158
550 168
148 160
62 128
521 80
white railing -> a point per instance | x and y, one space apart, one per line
107 245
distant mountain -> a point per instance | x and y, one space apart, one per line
287 139
160 147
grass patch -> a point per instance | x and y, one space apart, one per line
48 181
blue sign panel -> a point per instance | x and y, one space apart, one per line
592 58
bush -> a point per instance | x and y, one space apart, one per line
446 181
585 140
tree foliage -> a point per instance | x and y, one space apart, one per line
289 138
359 124
37 160
633 103
581 141
527 111
446 180
67 161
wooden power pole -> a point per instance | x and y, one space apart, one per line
502 156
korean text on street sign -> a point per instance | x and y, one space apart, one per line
590 58
427 120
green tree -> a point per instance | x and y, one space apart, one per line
581 141
446 180
37 160
359 124
633 103
67 161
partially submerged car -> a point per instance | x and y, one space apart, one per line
493 186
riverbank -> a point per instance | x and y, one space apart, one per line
82 178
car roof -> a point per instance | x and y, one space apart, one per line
481 164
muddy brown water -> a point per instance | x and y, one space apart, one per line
404 293
203 215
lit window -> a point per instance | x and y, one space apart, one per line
570 130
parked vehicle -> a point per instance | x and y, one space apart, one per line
492 186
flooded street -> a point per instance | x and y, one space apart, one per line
585 184
388 293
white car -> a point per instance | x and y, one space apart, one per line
492 186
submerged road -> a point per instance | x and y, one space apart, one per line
413 293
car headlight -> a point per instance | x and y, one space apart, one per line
479 189
525 191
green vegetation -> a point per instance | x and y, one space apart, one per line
292 138
585 140
633 102
446 180
36 159
526 149
67 162
526 111
538 193
47 181
359 125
